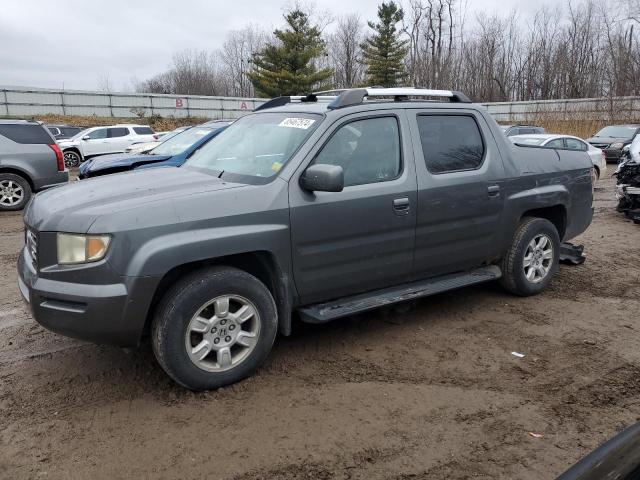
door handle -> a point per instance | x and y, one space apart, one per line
401 205
493 190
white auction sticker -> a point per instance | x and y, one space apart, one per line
303 123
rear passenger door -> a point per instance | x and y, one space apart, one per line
119 139
460 174
361 238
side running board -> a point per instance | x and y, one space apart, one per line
325 312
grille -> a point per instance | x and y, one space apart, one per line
601 146
32 248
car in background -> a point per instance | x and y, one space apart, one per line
101 141
60 132
565 142
510 130
612 140
170 153
30 161
159 138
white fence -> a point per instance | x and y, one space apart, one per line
616 108
25 102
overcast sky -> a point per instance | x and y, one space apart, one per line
73 42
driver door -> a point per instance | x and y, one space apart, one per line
361 238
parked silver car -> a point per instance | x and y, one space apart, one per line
30 160
566 142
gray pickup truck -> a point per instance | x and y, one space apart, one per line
318 206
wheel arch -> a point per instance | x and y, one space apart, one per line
261 264
74 149
21 173
556 214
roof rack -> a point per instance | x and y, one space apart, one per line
348 97
310 97
357 96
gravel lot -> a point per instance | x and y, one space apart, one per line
426 391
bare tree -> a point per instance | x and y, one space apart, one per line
343 46
104 83
236 54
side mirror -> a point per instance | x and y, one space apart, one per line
86 137
323 178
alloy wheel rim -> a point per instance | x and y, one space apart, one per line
71 159
11 193
222 333
538 258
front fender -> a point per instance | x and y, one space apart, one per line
163 253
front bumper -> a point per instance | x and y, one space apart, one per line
113 314
612 156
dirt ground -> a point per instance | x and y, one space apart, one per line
426 392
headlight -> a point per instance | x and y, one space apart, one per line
616 146
74 248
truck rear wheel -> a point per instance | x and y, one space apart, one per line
214 327
532 259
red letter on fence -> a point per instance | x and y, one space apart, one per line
179 103
243 105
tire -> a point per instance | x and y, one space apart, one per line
514 272
193 314
15 192
72 158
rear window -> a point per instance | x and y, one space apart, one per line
450 143
527 140
143 130
26 133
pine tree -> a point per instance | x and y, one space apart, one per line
383 53
288 68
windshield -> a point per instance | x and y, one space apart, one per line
178 142
617 132
256 145
527 140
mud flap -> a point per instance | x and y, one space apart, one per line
572 254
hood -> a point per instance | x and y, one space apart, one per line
67 142
74 207
118 161
608 140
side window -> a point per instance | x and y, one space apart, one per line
118 132
368 151
527 131
557 143
574 144
25 133
450 143
98 134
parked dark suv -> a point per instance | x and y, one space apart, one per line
321 207
612 140
30 160
61 132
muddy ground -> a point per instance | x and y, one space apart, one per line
428 392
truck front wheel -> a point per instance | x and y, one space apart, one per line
214 327
532 259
